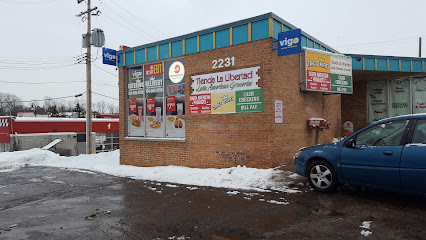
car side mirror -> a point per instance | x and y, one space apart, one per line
350 143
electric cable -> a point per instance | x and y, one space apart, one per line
104 95
41 1
153 38
149 24
48 99
105 70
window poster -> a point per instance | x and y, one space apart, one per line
135 91
419 95
377 100
154 86
399 97
156 100
175 99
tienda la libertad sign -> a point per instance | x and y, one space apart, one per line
235 91
326 72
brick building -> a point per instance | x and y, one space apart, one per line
176 107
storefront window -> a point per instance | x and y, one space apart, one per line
156 100
396 97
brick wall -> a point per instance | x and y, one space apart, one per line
251 139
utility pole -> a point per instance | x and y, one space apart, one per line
420 46
89 77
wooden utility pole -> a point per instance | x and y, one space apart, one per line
88 77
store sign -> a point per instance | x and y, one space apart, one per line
235 91
278 111
176 72
109 56
241 79
327 72
289 42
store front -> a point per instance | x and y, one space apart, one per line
384 87
223 97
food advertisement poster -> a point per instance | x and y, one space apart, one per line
327 72
419 95
154 88
399 97
135 91
135 120
175 98
377 100
234 91
156 100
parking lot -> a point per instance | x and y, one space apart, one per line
55 203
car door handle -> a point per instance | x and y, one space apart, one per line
388 152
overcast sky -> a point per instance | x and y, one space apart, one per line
41 39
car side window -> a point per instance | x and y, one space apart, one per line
419 134
384 134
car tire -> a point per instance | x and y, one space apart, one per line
321 176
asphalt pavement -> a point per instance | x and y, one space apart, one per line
55 203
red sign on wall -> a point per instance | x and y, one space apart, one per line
150 104
200 104
153 69
132 105
318 81
171 103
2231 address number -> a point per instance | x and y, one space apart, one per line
221 63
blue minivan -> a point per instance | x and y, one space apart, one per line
389 154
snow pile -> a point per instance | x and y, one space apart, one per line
232 178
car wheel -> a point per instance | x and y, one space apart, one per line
321 176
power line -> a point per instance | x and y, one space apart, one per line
41 1
47 99
149 24
36 68
381 43
104 95
153 38
112 19
106 71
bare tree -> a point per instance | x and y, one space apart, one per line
10 104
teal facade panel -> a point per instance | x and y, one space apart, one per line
240 34
285 28
310 43
317 46
417 66
276 28
322 48
130 60
177 48
393 65
223 38
260 30
356 65
191 45
382 65
163 51
140 56
369 64
304 41
120 60
151 54
405 66
206 42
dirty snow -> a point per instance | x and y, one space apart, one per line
261 180
365 228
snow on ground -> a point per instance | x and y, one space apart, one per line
365 228
244 178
